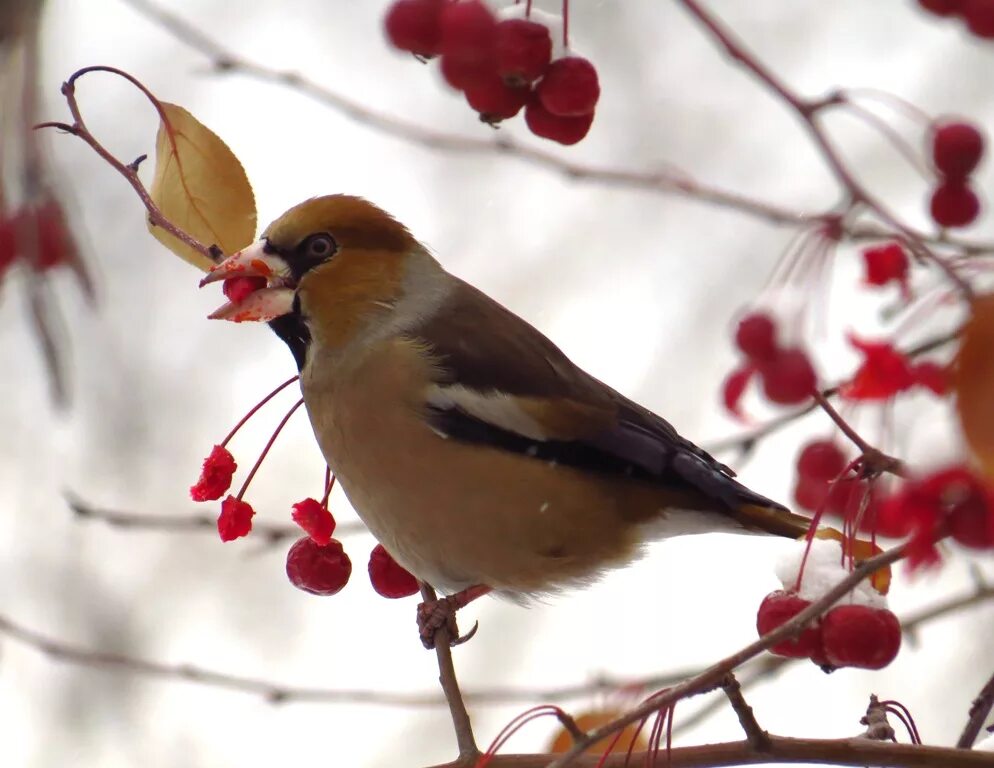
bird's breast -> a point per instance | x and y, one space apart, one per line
453 513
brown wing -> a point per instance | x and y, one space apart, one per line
504 384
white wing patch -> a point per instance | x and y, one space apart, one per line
496 408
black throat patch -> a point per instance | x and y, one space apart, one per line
294 332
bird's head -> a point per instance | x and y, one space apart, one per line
335 262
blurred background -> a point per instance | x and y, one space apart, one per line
639 288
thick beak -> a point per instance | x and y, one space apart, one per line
262 304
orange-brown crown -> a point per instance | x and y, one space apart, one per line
353 222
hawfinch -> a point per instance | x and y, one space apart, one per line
473 449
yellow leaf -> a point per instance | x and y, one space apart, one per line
973 380
595 719
199 186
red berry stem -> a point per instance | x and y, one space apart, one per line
329 483
842 424
255 409
269 444
566 24
896 708
808 110
911 155
911 111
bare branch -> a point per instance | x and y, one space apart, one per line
273 533
979 711
670 180
469 753
754 732
782 750
713 675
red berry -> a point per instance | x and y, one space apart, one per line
956 149
971 522
821 460
413 25
778 608
756 336
215 476
734 387
810 494
315 519
932 376
885 263
524 50
468 31
941 7
495 100
237 289
55 242
8 243
788 377
235 519
979 17
954 204
860 636
388 578
565 130
884 372
570 87
465 73
316 569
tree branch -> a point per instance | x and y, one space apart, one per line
468 751
757 737
853 751
979 711
713 675
664 181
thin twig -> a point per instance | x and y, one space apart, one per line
663 181
754 732
713 675
762 668
128 170
809 111
746 441
979 710
273 533
468 751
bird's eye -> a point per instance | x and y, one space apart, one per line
320 246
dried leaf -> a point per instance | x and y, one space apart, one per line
973 381
201 187
632 736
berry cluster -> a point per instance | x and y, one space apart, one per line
886 372
819 465
956 149
977 14
788 378
316 563
846 636
38 235
501 65
859 633
955 500
323 569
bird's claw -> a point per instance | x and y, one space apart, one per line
435 615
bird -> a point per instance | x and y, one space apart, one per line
473 449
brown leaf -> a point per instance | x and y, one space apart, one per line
595 719
973 381
201 187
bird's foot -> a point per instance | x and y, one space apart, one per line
441 613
